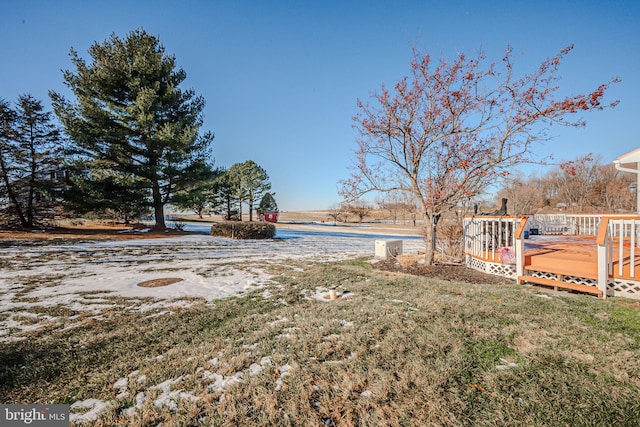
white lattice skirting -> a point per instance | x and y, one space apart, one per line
568 279
624 288
616 287
495 268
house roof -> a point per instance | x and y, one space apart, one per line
632 157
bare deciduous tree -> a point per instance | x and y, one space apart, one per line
524 195
336 212
576 180
450 129
359 208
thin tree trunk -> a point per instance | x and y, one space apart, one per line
30 205
429 241
32 186
13 198
431 227
228 208
158 206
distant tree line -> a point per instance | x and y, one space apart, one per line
128 143
227 190
581 185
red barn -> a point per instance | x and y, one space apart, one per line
269 216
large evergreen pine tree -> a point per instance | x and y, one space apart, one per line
131 114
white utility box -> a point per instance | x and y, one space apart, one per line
388 248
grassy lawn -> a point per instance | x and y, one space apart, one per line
393 350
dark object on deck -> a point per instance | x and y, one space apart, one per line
500 212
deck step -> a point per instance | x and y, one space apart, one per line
559 284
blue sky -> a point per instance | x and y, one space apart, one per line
281 78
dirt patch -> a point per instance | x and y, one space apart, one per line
64 235
459 273
634 304
156 283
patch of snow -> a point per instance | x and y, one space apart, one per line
83 275
346 324
283 336
169 398
506 365
121 385
277 321
255 369
284 370
139 403
266 360
95 408
219 382
134 230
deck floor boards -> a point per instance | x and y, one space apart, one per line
574 256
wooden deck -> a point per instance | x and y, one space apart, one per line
569 256
574 256
570 262
589 256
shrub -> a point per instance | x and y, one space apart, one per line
244 230
450 239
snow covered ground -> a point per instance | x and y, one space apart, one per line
84 277
77 276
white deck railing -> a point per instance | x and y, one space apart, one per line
549 223
583 225
618 233
485 236
572 224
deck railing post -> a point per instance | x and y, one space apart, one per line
519 250
519 245
603 270
603 241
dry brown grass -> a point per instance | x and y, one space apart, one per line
408 259
398 350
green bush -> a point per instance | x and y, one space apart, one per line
244 230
